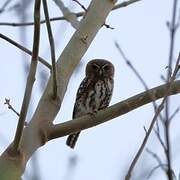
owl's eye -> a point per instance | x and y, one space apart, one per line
95 67
106 68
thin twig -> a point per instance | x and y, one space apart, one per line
80 4
160 139
108 26
30 79
120 5
172 29
52 47
41 60
7 102
174 114
128 62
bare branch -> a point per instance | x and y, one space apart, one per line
43 61
51 41
158 110
30 79
113 111
120 5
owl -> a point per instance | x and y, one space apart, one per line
94 92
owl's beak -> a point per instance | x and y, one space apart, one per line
100 71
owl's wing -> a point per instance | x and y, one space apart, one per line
81 90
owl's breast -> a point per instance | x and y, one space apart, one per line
95 98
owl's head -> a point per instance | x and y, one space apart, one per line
100 68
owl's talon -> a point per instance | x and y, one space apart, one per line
93 113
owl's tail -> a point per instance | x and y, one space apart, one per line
72 139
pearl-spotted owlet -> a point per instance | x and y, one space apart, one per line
94 92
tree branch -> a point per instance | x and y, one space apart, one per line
120 5
30 80
113 111
43 61
51 41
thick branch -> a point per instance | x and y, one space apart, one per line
113 111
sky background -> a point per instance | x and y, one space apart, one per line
103 152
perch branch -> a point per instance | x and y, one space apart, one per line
113 111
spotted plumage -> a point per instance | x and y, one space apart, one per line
94 92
